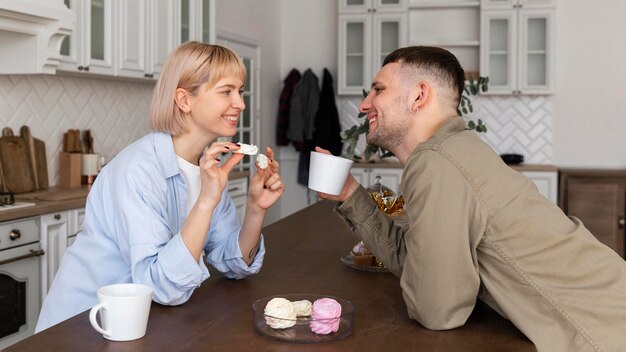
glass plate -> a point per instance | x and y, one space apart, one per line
347 260
301 332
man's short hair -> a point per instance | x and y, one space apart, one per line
438 62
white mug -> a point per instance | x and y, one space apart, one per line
328 173
90 164
124 311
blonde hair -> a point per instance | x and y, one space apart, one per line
189 66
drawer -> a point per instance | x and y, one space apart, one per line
24 231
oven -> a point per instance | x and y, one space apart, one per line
20 279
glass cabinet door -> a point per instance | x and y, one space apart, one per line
535 42
498 51
355 53
355 6
98 43
388 36
185 21
390 5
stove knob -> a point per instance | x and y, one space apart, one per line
15 234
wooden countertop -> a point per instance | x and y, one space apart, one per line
58 198
303 256
397 165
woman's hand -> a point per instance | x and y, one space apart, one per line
266 185
213 177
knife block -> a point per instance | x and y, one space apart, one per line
69 169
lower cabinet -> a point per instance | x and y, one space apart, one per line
389 177
57 232
546 182
598 199
238 191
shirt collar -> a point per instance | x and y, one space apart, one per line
166 156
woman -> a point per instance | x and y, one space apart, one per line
161 203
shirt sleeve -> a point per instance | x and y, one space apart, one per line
440 279
144 233
223 251
375 228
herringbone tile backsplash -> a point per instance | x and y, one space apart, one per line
521 124
115 111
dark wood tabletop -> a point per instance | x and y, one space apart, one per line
303 256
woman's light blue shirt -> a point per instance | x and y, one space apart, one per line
131 233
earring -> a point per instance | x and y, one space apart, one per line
416 109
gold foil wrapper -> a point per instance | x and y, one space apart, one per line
388 202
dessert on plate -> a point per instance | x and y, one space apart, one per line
325 314
279 313
362 256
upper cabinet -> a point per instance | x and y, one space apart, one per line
451 24
368 31
517 46
132 38
90 47
31 32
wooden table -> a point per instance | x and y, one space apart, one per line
303 256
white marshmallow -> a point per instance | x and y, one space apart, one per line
262 161
249 149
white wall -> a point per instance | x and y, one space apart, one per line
308 40
260 22
590 99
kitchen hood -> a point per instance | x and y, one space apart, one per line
31 32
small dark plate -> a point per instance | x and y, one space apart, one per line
347 260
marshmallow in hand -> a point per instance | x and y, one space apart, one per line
262 161
249 149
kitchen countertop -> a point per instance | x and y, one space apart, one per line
397 165
58 198
218 316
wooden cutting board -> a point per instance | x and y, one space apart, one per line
36 151
16 166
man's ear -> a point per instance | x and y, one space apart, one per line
420 96
182 100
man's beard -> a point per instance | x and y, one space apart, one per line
394 133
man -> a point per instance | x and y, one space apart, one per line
477 228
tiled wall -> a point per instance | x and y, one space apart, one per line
521 125
115 111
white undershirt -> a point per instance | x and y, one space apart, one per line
191 174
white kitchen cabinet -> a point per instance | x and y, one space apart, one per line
76 217
517 48
368 31
238 191
90 48
429 24
389 177
507 4
53 232
360 6
133 38
546 182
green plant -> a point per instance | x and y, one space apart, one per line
472 88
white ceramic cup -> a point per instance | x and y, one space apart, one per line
124 311
90 164
328 173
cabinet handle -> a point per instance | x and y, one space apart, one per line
87 68
233 189
57 216
32 253
80 68
15 234
621 222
